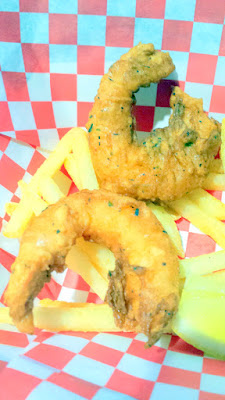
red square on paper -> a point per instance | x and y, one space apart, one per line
144 116
92 7
177 35
119 31
101 353
213 367
6 259
199 244
9 27
217 100
62 29
4 140
74 281
54 356
164 90
10 173
36 161
201 68
210 396
180 377
63 87
43 114
24 384
15 86
155 353
35 57
150 8
34 6
138 388
83 109
180 346
210 11
30 137
222 43
75 385
97 56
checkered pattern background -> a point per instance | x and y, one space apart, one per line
52 55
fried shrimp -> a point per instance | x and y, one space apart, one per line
171 161
144 288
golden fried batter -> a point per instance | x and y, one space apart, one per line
171 161
143 289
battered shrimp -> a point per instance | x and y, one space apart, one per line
143 289
171 161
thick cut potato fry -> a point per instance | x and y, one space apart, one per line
217 166
37 203
86 317
71 166
79 262
62 181
208 225
169 225
214 182
10 207
102 258
82 155
19 219
201 265
222 149
50 190
208 203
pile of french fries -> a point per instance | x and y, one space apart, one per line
93 261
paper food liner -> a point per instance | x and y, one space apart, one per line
52 57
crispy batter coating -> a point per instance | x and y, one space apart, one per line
171 161
143 289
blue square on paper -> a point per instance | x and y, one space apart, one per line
87 87
213 384
22 115
184 11
139 367
91 30
112 54
39 86
108 394
146 28
200 90
34 27
124 8
20 153
48 390
31 367
2 90
63 7
89 370
206 38
173 392
63 58
65 113
180 60
220 72
9 5
11 57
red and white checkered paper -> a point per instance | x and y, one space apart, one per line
52 57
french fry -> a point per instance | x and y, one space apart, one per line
86 317
82 155
101 257
208 203
169 225
10 207
222 149
204 264
49 190
79 261
37 203
217 166
214 182
71 166
62 181
59 316
208 225
19 219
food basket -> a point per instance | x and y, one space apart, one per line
53 55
